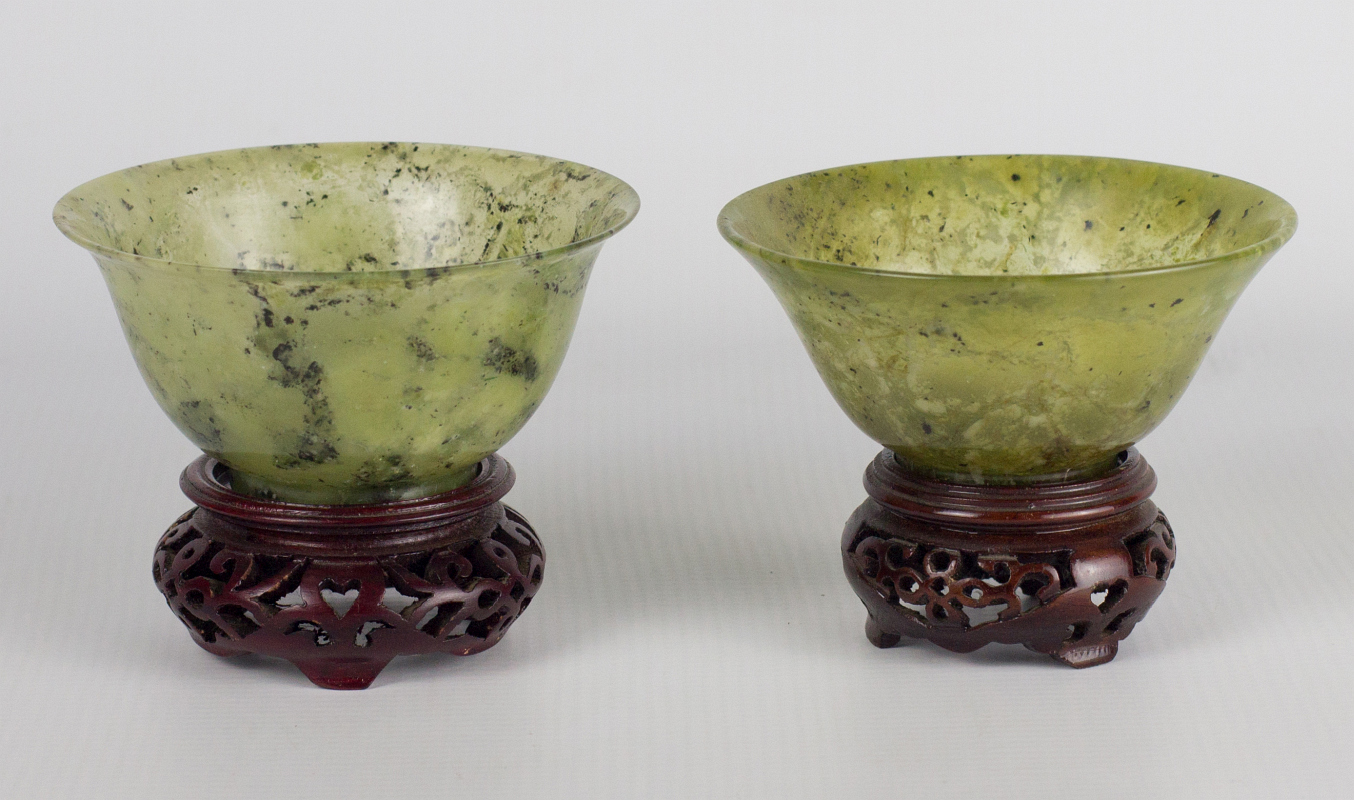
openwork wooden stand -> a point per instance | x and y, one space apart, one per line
341 590
1065 569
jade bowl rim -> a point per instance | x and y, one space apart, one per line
1270 243
631 204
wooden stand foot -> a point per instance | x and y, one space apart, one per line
341 590
1065 569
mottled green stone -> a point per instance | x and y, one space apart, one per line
1007 319
347 323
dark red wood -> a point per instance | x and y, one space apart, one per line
1065 569
341 590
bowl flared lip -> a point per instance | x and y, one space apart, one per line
1288 225
630 203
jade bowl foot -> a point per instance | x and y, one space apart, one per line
339 591
1066 569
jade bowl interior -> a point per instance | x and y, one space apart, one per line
1007 319
348 323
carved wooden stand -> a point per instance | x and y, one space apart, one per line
341 590
1065 569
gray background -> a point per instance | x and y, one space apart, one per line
689 473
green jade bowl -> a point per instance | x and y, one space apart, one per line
1007 319
348 323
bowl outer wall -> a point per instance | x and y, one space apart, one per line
349 388
997 381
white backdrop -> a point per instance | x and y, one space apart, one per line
689 473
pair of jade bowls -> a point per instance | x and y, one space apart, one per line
365 323
356 323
